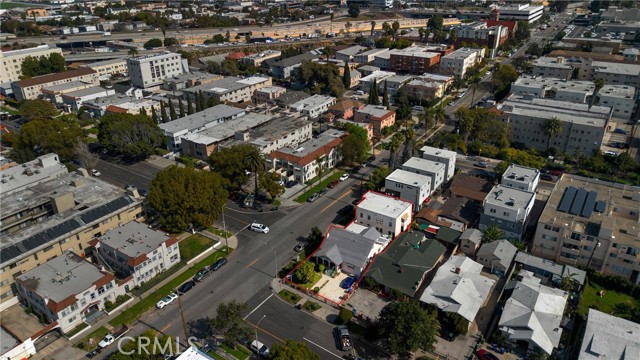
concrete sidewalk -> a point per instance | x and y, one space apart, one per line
325 313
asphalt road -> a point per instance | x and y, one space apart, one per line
138 175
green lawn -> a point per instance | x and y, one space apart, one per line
606 304
10 5
147 303
9 110
302 198
77 329
240 352
193 246
311 306
96 336
289 296
159 278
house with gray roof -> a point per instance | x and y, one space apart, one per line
406 262
283 69
350 249
549 271
497 256
459 287
609 337
470 241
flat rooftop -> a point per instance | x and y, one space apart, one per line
353 50
579 86
63 276
616 68
414 51
134 239
85 92
384 204
461 53
375 110
425 83
70 85
227 129
595 116
312 145
276 129
154 57
424 164
609 337
43 168
198 120
271 89
105 63
428 150
546 61
521 173
195 75
312 102
408 178
505 196
377 75
226 85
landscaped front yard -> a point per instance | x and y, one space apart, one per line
611 303
325 182
193 246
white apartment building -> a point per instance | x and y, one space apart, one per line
136 250
433 169
409 186
11 69
105 69
619 97
446 157
367 57
349 53
314 106
583 126
509 209
379 76
73 100
257 59
479 34
525 12
460 60
390 216
67 289
557 68
521 178
232 89
150 70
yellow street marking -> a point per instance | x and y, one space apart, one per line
336 200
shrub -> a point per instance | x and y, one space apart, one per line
316 289
321 268
370 283
108 305
344 316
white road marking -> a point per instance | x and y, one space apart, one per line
336 355
252 311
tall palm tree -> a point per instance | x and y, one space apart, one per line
320 161
409 144
473 83
439 113
395 27
394 146
386 28
428 118
329 51
599 85
552 127
347 27
373 27
133 52
254 162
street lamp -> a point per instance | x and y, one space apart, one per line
258 325
224 229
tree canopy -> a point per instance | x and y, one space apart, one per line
37 109
153 43
184 197
292 350
320 78
230 164
43 65
133 136
229 321
405 327
44 136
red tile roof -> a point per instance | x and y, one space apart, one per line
116 109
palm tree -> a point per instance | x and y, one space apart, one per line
320 162
347 26
373 27
328 52
599 84
409 144
492 233
394 146
428 118
473 83
386 27
395 27
133 52
254 162
552 127
439 113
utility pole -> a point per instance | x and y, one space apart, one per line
184 324
258 326
224 228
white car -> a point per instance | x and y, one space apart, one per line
95 172
344 177
259 228
108 340
166 300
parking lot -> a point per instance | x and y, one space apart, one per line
367 304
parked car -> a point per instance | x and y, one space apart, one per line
344 177
555 172
620 131
166 300
259 348
202 274
347 209
548 177
95 172
218 264
186 287
348 282
482 164
333 184
259 228
485 355
300 247
343 337
291 183
313 197
106 341
323 192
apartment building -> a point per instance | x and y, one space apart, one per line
350 53
44 168
377 115
257 59
188 80
622 98
612 73
423 89
507 208
177 129
268 93
413 59
30 89
67 289
481 34
526 12
313 106
521 178
42 219
378 76
107 68
283 131
557 68
433 169
11 69
369 56
592 223
444 156
395 83
232 89
54 93
283 69
300 163
150 70
458 62
73 100
390 216
583 125
408 186
119 103
135 249
345 109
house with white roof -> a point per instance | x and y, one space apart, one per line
408 186
521 177
389 215
532 315
444 156
609 337
497 256
433 169
459 287
314 106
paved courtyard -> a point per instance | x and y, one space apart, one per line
330 287
367 303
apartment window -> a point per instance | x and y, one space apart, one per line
492 211
576 236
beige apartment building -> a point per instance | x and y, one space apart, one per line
30 89
105 69
594 223
11 69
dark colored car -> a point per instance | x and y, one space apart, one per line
218 264
548 177
348 282
620 131
555 172
142 192
291 183
323 192
485 355
333 184
347 209
186 287
482 164
202 274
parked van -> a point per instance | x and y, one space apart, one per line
359 92
259 348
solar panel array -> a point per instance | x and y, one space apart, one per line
580 202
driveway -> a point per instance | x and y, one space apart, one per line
330 287
367 304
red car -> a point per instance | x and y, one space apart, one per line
333 184
485 355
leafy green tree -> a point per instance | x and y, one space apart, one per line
435 23
552 127
305 272
378 176
405 327
133 136
354 11
269 183
395 26
329 51
320 78
353 149
346 75
171 41
492 233
36 66
44 136
625 163
385 95
152 43
37 109
229 320
292 350
315 236
523 31
456 322
254 162
230 164
185 198
504 76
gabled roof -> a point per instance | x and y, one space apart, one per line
472 235
501 251
458 287
534 313
405 261
345 246
44 79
